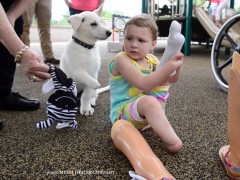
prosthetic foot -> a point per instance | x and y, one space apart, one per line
145 163
174 43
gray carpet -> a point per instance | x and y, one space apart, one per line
197 109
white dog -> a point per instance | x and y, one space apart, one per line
81 59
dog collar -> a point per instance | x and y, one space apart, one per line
88 46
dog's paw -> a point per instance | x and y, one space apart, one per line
87 112
93 103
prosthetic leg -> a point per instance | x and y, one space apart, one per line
234 106
230 155
129 141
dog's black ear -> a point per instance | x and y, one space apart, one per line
75 21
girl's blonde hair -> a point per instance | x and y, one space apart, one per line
144 20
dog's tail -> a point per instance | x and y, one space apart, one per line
103 89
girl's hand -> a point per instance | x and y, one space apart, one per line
175 61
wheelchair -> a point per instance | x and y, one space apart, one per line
226 41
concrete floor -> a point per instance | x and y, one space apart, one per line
197 109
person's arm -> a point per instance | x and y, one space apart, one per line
67 3
8 37
146 82
173 78
18 8
29 59
100 2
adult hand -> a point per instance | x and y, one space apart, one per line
34 66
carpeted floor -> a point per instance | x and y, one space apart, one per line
197 109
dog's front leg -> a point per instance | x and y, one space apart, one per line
84 78
94 98
86 109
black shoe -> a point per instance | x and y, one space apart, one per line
52 61
16 102
1 125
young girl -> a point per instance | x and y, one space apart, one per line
216 9
138 97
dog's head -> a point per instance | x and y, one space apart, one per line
89 26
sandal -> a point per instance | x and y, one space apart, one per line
223 154
134 176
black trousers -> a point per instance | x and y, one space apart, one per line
7 64
73 11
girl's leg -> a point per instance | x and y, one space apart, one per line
221 6
150 108
129 141
213 14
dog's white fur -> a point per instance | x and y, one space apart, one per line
82 64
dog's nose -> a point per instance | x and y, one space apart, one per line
108 33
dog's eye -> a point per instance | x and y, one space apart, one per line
94 24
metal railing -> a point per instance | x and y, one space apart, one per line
175 8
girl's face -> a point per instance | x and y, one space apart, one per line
138 42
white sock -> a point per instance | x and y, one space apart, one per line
174 43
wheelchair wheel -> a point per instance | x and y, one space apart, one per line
226 41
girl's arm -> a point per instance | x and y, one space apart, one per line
143 82
173 78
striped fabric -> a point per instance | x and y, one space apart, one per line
61 105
